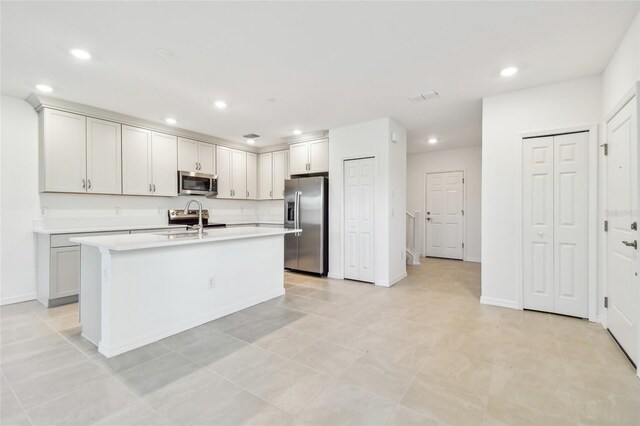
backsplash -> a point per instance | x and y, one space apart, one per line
79 210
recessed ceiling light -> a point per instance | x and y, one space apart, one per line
297 132
509 72
44 88
170 120
220 104
433 140
80 54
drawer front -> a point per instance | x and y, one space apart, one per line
154 230
63 240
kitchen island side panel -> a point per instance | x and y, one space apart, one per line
150 294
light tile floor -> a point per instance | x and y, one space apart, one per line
328 353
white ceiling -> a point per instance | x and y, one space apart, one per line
326 64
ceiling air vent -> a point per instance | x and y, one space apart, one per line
251 136
421 97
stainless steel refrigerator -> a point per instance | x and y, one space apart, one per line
306 208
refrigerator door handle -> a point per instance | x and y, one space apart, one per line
297 212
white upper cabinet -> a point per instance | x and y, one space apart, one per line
223 165
164 164
299 158
187 155
149 162
63 152
136 161
280 173
319 156
309 157
265 176
104 157
194 156
239 174
273 170
206 158
252 176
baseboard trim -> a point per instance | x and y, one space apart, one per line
335 276
150 338
503 303
17 299
473 259
392 282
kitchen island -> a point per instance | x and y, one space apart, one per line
137 289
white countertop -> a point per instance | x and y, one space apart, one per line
178 237
108 228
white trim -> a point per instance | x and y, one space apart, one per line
154 337
622 102
503 303
391 283
473 259
335 276
593 212
464 207
17 299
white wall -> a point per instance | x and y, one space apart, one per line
23 207
19 200
470 161
504 118
623 69
371 139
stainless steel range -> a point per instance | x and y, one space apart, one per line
190 218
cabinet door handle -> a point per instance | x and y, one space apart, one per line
270 194
247 194
150 188
84 184
89 183
154 187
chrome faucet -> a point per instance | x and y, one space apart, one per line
199 226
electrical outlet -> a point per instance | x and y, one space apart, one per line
212 282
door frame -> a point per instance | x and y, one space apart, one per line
375 216
592 211
632 93
464 207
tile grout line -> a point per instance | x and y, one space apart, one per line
13 392
109 373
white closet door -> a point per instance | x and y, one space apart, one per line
537 205
571 221
444 219
359 253
623 284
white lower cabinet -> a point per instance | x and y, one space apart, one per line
65 271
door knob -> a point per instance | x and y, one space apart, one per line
634 244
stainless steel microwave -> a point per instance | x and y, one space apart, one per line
192 183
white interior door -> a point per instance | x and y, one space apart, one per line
571 224
537 209
444 215
359 254
555 202
622 208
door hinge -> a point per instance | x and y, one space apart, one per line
606 302
634 226
606 226
606 148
